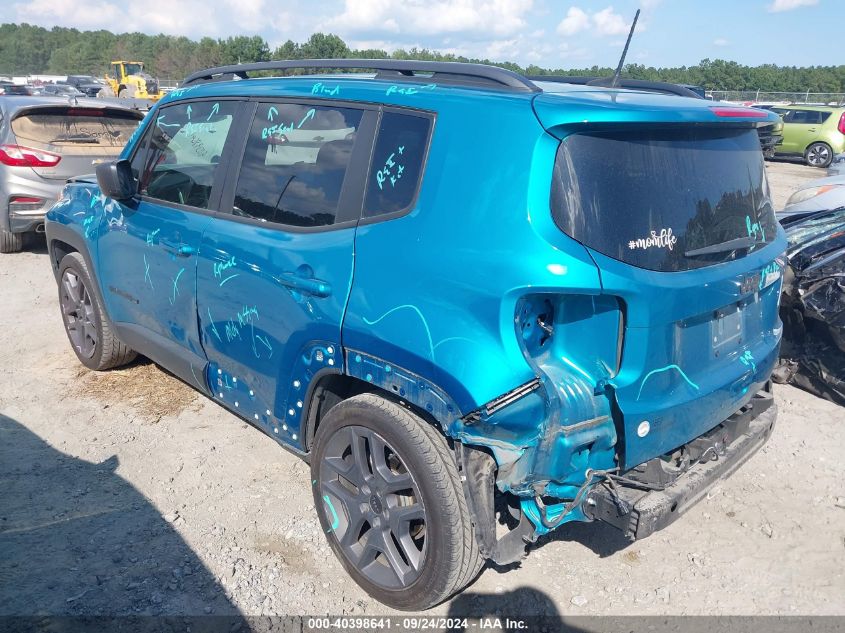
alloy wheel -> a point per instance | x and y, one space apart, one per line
78 313
374 507
818 155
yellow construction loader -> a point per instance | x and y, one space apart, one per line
128 80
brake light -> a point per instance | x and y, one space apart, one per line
24 200
85 112
841 126
19 156
742 113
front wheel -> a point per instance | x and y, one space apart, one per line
818 155
388 494
87 328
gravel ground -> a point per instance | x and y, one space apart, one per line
786 176
126 492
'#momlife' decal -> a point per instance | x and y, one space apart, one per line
664 239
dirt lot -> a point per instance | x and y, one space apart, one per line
126 493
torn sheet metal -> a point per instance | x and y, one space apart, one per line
813 306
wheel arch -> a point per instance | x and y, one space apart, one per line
63 240
58 250
330 387
476 464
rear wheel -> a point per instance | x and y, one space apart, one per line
86 325
10 242
389 497
818 155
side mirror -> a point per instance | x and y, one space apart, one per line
115 179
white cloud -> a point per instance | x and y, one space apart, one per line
97 14
250 15
502 49
604 22
576 20
609 23
158 16
720 41
191 18
789 5
431 17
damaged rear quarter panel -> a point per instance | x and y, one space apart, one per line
412 308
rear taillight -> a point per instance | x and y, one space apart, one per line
19 156
25 203
841 126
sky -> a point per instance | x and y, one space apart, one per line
548 33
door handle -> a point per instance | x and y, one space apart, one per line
180 250
316 287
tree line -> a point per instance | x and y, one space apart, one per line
28 49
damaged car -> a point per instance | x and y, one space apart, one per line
816 195
471 300
813 305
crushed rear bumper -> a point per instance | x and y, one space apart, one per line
639 511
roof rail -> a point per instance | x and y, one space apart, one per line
442 72
635 84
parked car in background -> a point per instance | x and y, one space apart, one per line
816 133
813 305
771 135
88 84
43 142
576 318
816 195
60 90
11 89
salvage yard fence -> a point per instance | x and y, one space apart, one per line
763 96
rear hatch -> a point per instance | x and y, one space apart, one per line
79 135
670 198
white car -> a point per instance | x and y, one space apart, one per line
817 195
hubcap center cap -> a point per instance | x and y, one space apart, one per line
375 504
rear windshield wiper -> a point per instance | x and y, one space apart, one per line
75 139
723 247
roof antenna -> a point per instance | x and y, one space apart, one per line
615 81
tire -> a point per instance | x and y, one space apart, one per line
85 322
818 155
408 559
10 242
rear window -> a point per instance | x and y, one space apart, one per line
76 130
664 199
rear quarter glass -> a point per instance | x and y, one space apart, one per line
648 196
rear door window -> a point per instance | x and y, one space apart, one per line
664 199
398 162
183 151
806 117
295 164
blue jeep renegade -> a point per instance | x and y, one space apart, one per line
469 299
